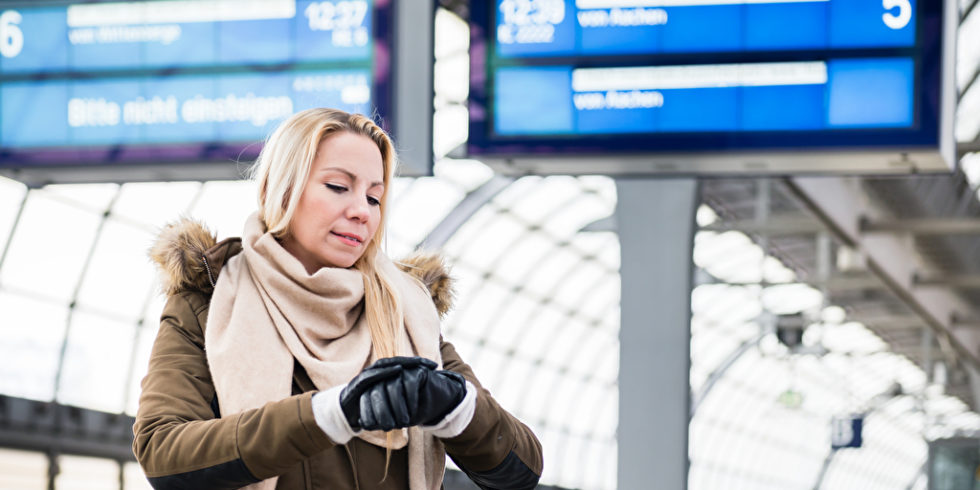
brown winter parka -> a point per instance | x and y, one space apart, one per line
183 442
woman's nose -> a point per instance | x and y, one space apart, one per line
358 210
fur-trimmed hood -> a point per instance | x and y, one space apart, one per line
190 258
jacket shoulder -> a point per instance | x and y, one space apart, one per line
189 256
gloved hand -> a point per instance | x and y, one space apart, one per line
420 394
350 396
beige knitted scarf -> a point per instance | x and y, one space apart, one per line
266 310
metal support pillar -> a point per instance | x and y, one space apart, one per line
827 461
974 380
656 235
53 469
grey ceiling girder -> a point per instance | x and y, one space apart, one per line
969 8
72 305
838 283
976 72
609 223
969 83
918 475
723 368
55 429
834 283
960 321
13 228
465 209
50 427
964 147
818 482
789 224
921 226
960 281
840 203
896 322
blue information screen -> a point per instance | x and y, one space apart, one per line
601 76
527 28
178 78
175 109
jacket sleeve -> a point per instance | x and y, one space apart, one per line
495 450
181 442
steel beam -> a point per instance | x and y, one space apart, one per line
602 224
973 379
958 281
775 225
13 228
967 147
66 336
969 8
965 321
838 283
927 226
723 368
54 428
889 322
463 211
841 204
970 83
918 475
827 461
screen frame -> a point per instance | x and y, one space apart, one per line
753 152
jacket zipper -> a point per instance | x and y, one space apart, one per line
307 474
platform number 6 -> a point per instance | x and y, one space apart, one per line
11 37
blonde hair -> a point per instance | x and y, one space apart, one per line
282 171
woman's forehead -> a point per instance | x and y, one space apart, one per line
353 155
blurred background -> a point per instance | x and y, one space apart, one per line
832 336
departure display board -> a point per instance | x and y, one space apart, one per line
179 80
647 77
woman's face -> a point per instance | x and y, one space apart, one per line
340 208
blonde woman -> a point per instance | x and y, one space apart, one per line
300 356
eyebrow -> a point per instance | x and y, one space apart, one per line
349 174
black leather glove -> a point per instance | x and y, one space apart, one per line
420 394
350 396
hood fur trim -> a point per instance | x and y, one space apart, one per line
180 248
430 269
179 253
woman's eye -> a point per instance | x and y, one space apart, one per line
373 201
336 188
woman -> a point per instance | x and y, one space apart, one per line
299 356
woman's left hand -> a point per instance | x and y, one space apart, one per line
419 395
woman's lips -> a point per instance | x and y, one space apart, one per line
349 238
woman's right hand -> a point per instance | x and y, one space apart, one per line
350 396
419 395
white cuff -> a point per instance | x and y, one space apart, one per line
457 420
330 417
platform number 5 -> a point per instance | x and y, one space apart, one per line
904 13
